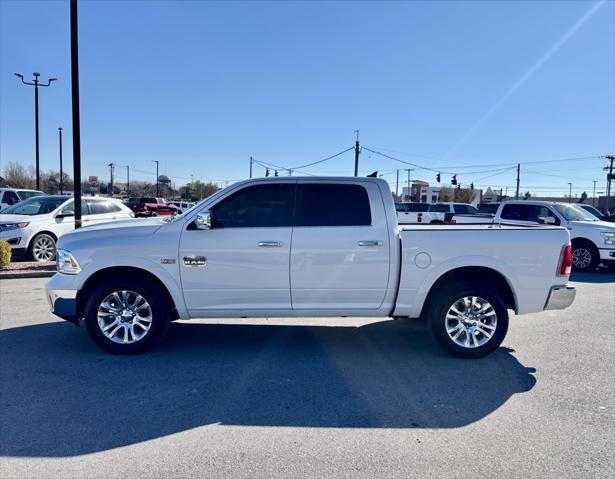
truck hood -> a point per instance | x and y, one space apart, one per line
593 225
111 233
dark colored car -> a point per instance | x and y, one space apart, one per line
597 213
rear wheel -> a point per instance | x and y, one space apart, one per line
126 317
585 256
469 321
43 248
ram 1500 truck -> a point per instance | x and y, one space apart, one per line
593 240
315 247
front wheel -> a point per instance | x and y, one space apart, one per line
585 257
43 248
469 321
126 317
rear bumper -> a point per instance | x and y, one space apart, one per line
63 303
560 297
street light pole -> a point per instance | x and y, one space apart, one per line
570 193
156 161
128 181
61 170
594 195
36 83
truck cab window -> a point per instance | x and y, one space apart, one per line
262 206
332 205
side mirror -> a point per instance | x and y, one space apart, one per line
65 213
549 220
203 220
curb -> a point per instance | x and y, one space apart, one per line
31 274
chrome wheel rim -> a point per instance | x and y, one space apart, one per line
581 258
124 317
44 249
471 322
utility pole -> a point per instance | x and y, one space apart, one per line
356 154
609 177
397 186
408 170
36 83
518 173
111 167
570 192
74 73
61 170
594 195
128 181
156 161
250 167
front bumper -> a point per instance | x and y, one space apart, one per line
63 303
560 297
607 254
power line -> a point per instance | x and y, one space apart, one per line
323 160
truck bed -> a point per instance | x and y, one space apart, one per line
528 257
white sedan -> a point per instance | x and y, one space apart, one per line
33 226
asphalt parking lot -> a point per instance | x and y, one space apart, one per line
343 398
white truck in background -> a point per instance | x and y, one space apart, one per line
306 247
593 240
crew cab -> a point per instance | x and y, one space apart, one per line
593 240
313 247
147 206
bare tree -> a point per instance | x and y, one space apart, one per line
18 176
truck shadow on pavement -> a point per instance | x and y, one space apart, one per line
61 396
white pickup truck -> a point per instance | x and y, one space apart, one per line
593 240
316 247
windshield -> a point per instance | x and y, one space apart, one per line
574 213
193 207
24 195
37 205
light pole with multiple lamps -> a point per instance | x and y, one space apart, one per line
36 83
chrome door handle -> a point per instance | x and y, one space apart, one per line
270 244
370 243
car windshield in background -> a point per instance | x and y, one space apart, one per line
24 195
574 213
37 205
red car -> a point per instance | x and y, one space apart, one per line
146 206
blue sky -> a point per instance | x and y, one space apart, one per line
201 86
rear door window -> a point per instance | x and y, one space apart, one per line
10 197
332 205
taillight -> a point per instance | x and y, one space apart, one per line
419 217
565 262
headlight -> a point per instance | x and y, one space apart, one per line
609 238
13 226
66 263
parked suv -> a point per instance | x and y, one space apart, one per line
10 196
33 226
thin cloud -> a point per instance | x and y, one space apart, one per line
527 75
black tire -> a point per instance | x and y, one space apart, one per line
35 251
440 306
585 256
158 307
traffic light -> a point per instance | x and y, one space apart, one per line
459 186
454 180
438 177
267 172
276 173
471 186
